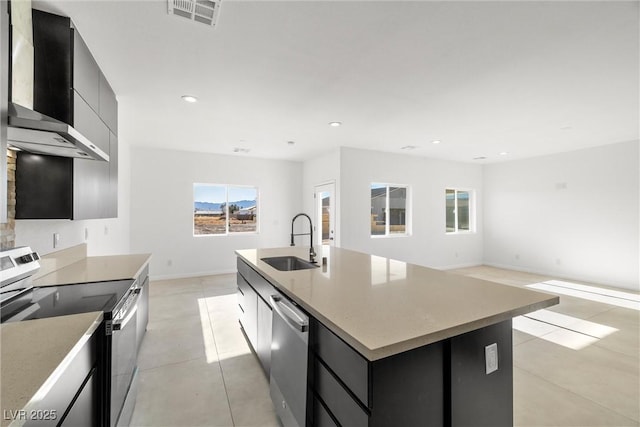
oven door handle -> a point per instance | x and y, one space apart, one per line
119 325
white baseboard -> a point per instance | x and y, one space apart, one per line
190 275
453 267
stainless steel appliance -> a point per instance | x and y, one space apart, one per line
18 265
289 359
118 346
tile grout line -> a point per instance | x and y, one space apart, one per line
224 382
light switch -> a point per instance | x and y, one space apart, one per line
491 358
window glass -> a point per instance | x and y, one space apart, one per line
463 210
209 212
389 213
243 213
222 209
451 210
397 210
458 210
378 209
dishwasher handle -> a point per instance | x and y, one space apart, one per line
289 313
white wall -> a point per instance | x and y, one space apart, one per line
428 245
105 236
162 208
321 170
570 215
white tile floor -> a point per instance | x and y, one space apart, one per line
196 368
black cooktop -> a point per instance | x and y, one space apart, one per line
62 300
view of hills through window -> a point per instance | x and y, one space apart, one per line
224 209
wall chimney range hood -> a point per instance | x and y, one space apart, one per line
36 97
36 133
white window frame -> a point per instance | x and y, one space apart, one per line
227 232
407 227
472 210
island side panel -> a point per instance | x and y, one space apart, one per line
407 388
478 398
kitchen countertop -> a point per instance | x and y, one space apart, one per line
34 351
382 307
96 269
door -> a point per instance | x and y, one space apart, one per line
325 212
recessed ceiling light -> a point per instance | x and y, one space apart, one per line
504 153
409 147
189 98
436 141
241 150
480 158
335 124
291 142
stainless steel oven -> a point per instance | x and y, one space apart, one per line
124 344
117 347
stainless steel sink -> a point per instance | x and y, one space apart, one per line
288 263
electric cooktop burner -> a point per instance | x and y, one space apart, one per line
63 300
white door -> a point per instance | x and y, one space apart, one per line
325 213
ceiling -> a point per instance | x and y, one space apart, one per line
525 78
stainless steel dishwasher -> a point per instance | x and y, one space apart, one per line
289 351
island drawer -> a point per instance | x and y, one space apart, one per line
339 402
242 292
345 362
248 316
257 282
321 417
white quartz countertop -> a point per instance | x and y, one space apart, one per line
33 351
382 307
96 269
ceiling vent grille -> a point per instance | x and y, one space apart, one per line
204 11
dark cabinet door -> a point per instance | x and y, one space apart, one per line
112 195
263 349
108 110
91 180
248 302
52 66
84 410
143 311
86 73
44 186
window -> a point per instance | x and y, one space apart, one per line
459 210
389 213
224 209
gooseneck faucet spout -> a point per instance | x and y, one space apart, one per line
312 252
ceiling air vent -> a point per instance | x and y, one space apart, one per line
205 11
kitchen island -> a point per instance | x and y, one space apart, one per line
395 343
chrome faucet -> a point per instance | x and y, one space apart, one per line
312 252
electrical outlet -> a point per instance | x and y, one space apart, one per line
56 240
169 263
86 234
491 358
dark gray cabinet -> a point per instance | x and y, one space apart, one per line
255 312
86 73
69 86
263 349
248 305
108 105
112 195
73 399
142 315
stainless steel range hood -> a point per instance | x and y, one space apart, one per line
36 133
